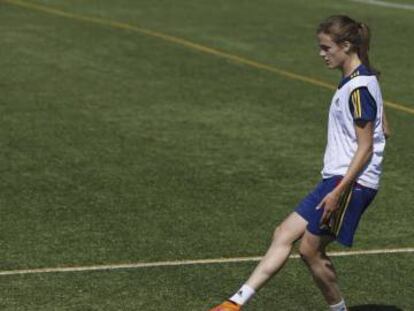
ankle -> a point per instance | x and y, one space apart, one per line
340 306
243 295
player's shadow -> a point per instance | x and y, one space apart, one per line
374 308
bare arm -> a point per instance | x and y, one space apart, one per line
385 126
364 133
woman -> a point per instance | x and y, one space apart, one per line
357 130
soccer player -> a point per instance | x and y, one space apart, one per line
357 130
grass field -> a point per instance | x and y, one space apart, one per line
119 144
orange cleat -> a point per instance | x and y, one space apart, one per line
227 306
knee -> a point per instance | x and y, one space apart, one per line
308 254
277 233
281 235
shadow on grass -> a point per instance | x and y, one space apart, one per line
374 308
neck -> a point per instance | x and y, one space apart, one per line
350 64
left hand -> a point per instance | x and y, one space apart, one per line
329 205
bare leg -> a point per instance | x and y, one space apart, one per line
290 230
312 249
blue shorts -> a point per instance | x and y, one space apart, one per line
344 221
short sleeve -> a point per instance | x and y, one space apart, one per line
362 105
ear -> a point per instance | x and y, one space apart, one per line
346 45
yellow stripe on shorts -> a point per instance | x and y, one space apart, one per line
340 213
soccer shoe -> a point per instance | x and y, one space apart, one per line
227 306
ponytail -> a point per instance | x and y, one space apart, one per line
363 47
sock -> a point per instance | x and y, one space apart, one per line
243 295
340 306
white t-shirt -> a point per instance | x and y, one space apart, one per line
358 97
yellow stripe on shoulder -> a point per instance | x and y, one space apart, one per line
358 95
354 103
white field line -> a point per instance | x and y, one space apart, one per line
387 4
190 262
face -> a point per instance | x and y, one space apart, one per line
333 54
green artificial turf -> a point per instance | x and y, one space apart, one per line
117 147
